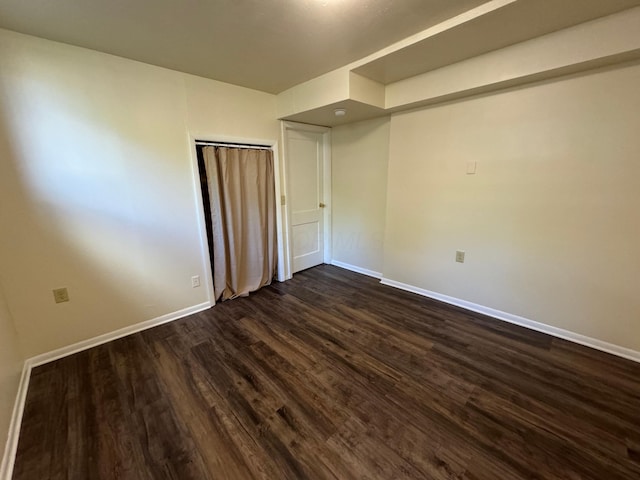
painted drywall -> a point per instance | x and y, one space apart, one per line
97 191
326 89
224 109
604 41
365 90
577 48
359 181
11 362
550 220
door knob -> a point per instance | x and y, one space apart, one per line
322 205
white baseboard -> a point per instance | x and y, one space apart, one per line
6 467
353 268
8 459
108 337
521 321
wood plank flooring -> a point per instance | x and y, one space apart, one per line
333 376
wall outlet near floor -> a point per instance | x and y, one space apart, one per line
61 295
460 256
195 281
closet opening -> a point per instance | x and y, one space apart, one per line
238 186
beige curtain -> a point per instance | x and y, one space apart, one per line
243 219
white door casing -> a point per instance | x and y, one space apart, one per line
281 226
308 161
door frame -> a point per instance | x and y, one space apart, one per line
287 126
281 227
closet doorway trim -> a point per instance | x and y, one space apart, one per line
281 233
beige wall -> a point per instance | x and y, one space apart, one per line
10 368
359 183
323 90
550 221
96 185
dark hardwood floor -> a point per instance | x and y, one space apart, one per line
332 375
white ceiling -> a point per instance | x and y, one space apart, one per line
267 45
271 45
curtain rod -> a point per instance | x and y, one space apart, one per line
232 145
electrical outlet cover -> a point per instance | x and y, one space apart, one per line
61 295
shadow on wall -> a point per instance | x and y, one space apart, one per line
40 249
86 203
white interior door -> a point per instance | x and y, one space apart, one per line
306 154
